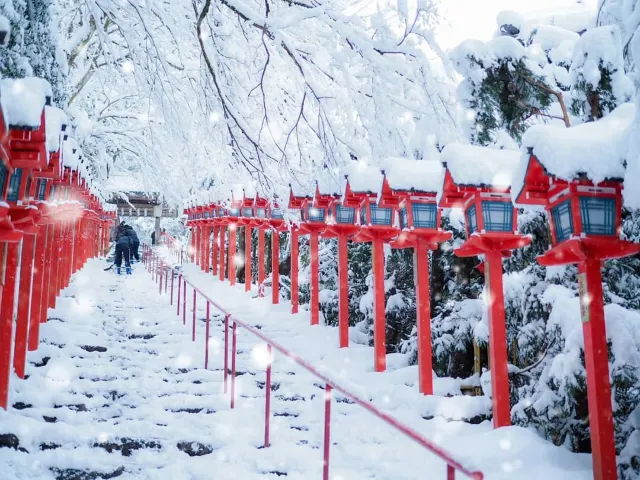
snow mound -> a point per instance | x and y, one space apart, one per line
479 166
54 120
596 149
414 175
363 177
550 37
23 100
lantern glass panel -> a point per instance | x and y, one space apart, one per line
42 188
497 216
345 214
363 215
315 214
247 212
598 215
234 212
4 173
52 195
425 215
380 216
261 213
562 220
221 212
206 214
14 185
404 219
277 213
472 219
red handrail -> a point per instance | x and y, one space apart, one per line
151 257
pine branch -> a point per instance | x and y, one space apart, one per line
535 83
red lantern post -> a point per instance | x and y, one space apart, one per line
341 224
376 226
247 220
262 214
478 180
584 212
277 225
312 223
410 188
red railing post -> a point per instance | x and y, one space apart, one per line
193 328
267 406
172 275
179 288
451 472
226 351
234 328
184 301
206 340
327 430
160 278
166 278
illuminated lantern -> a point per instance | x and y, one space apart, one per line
582 194
312 222
376 226
478 179
410 188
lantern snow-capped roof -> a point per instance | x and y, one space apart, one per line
478 179
577 175
360 178
411 176
56 122
472 165
595 151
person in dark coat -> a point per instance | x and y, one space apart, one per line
123 250
153 238
135 242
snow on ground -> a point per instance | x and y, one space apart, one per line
117 390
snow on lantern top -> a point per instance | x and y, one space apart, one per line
475 166
595 151
298 197
361 178
412 176
55 122
23 101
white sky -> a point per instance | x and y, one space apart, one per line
463 19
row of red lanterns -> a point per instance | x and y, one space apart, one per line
51 221
401 206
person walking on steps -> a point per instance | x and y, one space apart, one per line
135 245
123 250
153 238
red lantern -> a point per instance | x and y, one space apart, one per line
584 212
478 180
410 188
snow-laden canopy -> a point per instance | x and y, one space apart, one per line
595 149
480 166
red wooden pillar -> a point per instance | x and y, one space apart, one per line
294 269
58 262
379 321
247 258
48 272
6 320
203 247
232 253
497 340
24 301
221 250
260 259
423 297
597 363
196 241
275 267
214 252
315 279
207 248
343 292
193 244
38 287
